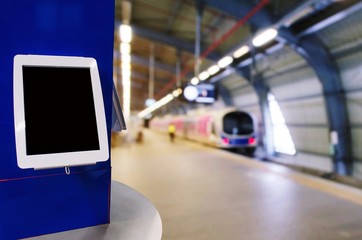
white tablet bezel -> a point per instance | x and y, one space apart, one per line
54 160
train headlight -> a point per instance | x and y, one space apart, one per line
251 140
225 140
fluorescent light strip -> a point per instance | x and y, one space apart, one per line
265 37
241 51
225 61
177 92
213 69
195 81
125 48
163 101
204 75
125 35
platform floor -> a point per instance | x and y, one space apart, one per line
204 193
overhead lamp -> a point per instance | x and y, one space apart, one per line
225 61
126 65
126 73
204 75
265 37
163 101
241 51
125 48
195 81
177 92
213 69
125 33
126 58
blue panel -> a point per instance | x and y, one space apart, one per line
44 201
31 207
238 141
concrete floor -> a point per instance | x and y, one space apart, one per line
205 193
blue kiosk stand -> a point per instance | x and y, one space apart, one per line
46 195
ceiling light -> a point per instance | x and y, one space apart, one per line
225 61
125 33
126 73
175 93
125 48
204 75
213 69
163 101
126 66
126 58
265 37
195 81
241 51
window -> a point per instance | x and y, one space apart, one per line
283 142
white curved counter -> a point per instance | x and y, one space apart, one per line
132 217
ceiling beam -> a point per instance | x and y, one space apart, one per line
139 60
336 17
136 59
238 9
169 40
172 18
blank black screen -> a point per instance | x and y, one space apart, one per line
59 110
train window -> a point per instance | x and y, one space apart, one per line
238 123
213 130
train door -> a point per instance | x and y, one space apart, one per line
211 129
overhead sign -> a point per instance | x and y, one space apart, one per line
202 93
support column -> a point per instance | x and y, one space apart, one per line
199 11
151 82
318 57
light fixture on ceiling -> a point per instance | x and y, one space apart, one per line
177 92
213 69
125 48
195 81
204 75
241 51
225 61
265 37
163 101
125 33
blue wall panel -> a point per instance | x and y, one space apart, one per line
45 201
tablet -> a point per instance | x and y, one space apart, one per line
59 112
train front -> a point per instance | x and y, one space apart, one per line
239 131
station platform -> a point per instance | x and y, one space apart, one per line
206 193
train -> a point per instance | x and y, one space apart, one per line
227 128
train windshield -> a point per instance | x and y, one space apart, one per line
238 123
